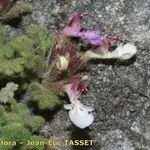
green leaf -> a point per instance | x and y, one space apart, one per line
45 98
40 36
12 66
34 122
7 93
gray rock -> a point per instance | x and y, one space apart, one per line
116 140
119 91
38 17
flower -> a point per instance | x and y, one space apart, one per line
122 52
73 30
80 114
75 87
91 35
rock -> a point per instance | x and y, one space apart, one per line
38 17
116 140
119 91
136 127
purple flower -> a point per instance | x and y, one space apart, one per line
75 87
107 39
80 115
106 42
91 35
73 26
73 29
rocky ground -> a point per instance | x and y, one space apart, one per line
119 91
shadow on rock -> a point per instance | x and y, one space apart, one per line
115 62
81 134
46 113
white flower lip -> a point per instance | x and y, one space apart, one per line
80 114
62 63
122 52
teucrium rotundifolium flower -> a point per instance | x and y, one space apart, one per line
79 114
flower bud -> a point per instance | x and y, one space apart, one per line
62 63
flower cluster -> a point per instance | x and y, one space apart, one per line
66 60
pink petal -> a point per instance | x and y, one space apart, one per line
74 21
70 31
75 87
72 93
73 26
92 36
